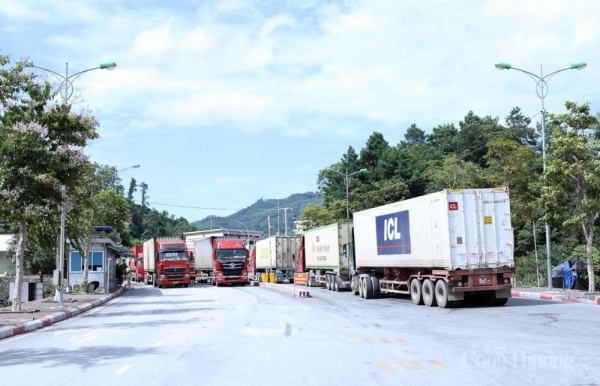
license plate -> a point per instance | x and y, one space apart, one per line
175 282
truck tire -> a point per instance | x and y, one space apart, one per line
359 284
354 285
415 292
368 287
336 284
217 284
376 289
429 293
500 302
441 295
186 285
327 281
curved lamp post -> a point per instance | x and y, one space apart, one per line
66 80
347 182
119 171
542 90
247 231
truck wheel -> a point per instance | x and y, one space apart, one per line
336 284
359 284
415 292
441 295
500 302
217 284
186 285
354 285
429 293
327 281
368 287
376 290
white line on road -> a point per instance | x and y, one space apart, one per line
157 344
123 369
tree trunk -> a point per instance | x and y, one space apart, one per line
590 262
85 268
16 306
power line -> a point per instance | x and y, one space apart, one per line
187 206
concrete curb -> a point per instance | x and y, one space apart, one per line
48 320
556 297
296 291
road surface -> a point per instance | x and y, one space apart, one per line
256 336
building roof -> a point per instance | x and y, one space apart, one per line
4 239
120 250
222 232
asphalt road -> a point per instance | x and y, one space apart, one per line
205 335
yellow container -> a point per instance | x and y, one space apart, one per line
265 277
272 277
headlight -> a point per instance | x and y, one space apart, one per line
162 277
187 276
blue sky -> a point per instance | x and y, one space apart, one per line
224 102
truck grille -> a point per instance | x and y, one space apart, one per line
175 269
174 277
233 268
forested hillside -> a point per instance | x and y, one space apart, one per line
478 153
255 216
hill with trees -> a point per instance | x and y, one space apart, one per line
255 217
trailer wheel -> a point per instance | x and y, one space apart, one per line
336 284
441 295
500 302
327 282
359 284
353 286
429 293
368 288
415 292
186 285
376 289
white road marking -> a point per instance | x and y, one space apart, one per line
123 369
157 344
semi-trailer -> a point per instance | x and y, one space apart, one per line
166 262
276 254
440 248
221 260
323 255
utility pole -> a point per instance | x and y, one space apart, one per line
61 248
285 218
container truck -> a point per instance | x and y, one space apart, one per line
222 260
191 263
166 262
324 256
136 263
276 254
440 248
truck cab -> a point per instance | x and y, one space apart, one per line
172 264
230 260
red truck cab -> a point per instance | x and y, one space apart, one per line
136 263
171 263
230 259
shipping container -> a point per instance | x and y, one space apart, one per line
277 254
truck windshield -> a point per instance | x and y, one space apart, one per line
231 253
181 255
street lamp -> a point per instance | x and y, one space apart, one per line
247 231
537 267
542 90
146 231
119 171
347 182
67 83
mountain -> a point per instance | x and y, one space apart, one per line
255 216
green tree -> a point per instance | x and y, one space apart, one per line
132 190
144 188
316 216
456 174
572 191
40 146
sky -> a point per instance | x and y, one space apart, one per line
225 102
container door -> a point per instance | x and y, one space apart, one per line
464 229
496 229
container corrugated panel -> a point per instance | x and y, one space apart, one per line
203 254
452 229
149 255
324 246
277 252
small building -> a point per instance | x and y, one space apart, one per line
5 265
103 258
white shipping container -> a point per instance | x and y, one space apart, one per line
452 229
148 251
277 252
324 246
203 253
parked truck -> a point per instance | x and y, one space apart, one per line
166 262
221 260
136 263
440 248
325 258
191 263
276 254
